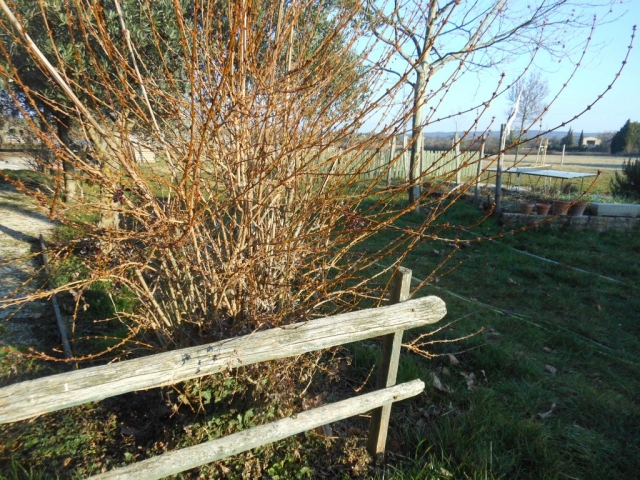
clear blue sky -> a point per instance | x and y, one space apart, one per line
609 46
623 101
603 59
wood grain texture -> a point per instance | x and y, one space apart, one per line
180 460
388 368
29 399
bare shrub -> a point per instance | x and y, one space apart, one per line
250 215
263 192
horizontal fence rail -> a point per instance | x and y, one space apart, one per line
440 164
433 164
36 397
191 457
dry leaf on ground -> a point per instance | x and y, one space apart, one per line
547 414
325 430
471 380
438 384
129 431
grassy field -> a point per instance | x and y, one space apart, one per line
572 162
547 387
602 167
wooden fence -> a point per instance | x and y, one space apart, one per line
36 397
434 164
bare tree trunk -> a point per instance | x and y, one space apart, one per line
417 146
109 217
64 128
520 140
45 164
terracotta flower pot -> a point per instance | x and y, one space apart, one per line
526 207
561 207
577 209
542 208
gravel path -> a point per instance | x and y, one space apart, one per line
20 226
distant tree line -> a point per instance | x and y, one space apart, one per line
627 139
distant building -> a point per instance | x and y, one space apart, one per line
590 142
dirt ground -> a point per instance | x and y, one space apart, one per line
20 226
16 161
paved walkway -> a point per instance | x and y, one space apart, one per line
20 226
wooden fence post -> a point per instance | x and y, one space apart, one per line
56 308
405 157
456 146
388 369
392 164
476 200
503 140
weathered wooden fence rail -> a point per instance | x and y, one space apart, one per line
36 397
433 164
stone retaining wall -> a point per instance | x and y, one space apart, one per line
614 209
584 222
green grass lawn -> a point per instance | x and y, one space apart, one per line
556 365
547 389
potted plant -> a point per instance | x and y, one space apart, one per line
543 208
526 207
578 208
561 207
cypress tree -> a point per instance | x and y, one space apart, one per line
627 139
568 139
